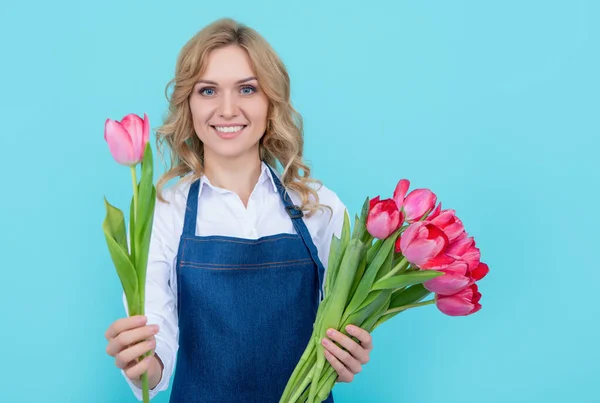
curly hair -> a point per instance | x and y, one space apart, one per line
283 140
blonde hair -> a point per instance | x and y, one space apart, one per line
283 140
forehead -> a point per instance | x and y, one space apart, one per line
228 64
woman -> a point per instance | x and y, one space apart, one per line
237 252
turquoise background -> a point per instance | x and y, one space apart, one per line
492 105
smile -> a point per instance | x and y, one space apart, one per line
228 132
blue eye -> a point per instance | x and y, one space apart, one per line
248 87
203 91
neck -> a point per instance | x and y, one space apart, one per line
238 175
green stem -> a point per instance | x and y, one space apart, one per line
401 265
301 371
405 307
326 383
303 385
145 387
135 193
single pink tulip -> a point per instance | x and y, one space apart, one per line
384 218
463 303
127 139
422 243
456 277
448 222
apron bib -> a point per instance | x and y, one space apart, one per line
246 310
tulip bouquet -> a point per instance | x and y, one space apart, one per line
401 250
128 143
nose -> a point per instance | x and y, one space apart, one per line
228 106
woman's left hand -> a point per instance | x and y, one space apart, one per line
347 362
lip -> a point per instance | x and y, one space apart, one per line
228 136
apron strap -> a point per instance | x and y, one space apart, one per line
296 215
191 209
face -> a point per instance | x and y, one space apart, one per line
228 107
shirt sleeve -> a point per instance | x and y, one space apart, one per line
160 302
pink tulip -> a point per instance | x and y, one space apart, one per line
464 302
416 204
448 222
384 218
456 277
127 139
423 243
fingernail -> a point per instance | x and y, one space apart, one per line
350 329
155 328
330 332
325 342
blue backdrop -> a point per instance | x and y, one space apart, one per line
493 105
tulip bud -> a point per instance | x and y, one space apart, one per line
127 139
463 303
384 218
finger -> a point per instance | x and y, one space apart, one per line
130 337
135 371
353 347
344 375
344 356
125 357
123 324
365 338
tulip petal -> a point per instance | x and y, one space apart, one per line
135 127
417 203
447 284
400 192
423 250
119 142
480 271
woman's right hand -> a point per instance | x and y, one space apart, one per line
130 338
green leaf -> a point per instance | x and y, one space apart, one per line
407 279
145 189
125 271
335 261
143 245
373 251
114 225
364 287
361 222
413 294
374 318
373 304
386 267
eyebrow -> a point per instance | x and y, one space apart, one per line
237 82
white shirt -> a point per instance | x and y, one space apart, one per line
220 212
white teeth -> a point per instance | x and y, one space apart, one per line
229 129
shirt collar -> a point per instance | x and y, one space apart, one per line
265 175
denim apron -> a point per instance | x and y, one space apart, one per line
246 310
